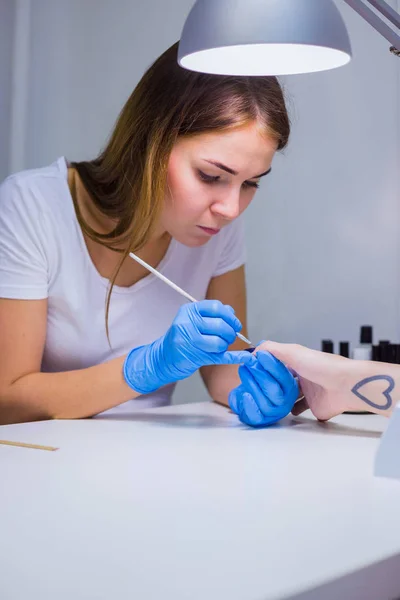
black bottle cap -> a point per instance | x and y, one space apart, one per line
366 334
376 352
327 346
387 353
344 349
391 353
397 354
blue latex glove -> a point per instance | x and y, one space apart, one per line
267 393
199 335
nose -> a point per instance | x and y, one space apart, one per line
227 205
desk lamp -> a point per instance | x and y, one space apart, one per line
276 37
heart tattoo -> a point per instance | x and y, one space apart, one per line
386 393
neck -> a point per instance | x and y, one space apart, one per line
101 223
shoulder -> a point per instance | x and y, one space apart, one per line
231 251
232 235
34 190
234 229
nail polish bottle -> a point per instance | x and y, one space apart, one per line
397 354
385 351
327 346
376 353
344 349
392 353
388 353
364 350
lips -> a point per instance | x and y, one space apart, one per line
209 230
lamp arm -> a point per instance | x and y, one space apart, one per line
376 21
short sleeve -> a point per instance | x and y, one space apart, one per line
233 250
23 263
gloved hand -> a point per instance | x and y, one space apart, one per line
199 335
267 393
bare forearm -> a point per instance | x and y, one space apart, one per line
374 387
220 380
68 395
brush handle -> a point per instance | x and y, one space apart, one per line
175 287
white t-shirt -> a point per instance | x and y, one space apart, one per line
43 254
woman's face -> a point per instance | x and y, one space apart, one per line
212 178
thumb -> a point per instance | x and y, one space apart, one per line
303 361
316 366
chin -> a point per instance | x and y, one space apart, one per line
192 241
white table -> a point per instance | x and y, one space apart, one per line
184 503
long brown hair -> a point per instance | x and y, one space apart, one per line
127 181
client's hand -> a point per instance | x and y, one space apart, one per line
333 384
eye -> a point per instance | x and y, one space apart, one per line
208 178
252 184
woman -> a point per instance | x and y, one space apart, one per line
84 328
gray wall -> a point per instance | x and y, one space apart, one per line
7 23
323 231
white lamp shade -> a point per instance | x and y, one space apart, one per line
263 37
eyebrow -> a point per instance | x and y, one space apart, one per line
231 171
